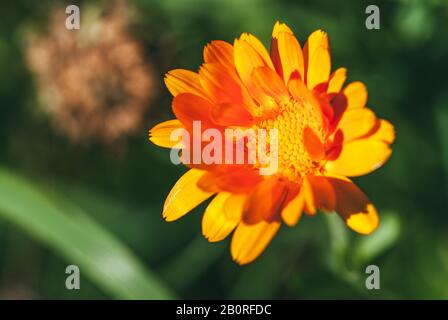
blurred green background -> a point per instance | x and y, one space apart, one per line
99 206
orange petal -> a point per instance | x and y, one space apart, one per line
356 95
228 114
337 80
249 241
188 108
259 48
215 224
290 54
356 123
185 195
313 144
360 157
267 88
181 81
302 94
219 52
265 201
235 181
161 133
219 84
246 59
317 59
324 197
354 207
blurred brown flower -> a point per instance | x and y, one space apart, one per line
93 82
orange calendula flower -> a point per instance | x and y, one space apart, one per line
325 135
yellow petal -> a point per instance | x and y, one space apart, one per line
291 56
215 224
234 205
356 123
246 59
356 95
249 241
337 80
185 195
280 27
385 132
319 68
292 212
161 133
318 60
308 198
181 81
360 157
354 207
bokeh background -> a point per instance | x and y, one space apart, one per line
81 184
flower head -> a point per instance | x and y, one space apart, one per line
94 82
325 134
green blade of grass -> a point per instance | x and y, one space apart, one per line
74 235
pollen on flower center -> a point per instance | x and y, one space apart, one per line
294 162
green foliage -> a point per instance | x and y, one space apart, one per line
73 234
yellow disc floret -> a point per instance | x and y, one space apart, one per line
294 162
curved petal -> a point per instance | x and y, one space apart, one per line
355 94
267 88
383 131
246 59
235 181
324 197
265 201
185 195
228 114
259 48
360 157
280 27
313 144
234 205
189 107
160 134
303 95
337 80
291 56
293 209
317 59
219 84
181 81
356 122
219 52
354 207
216 226
249 241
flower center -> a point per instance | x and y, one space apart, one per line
294 161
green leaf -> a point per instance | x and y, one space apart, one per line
73 234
